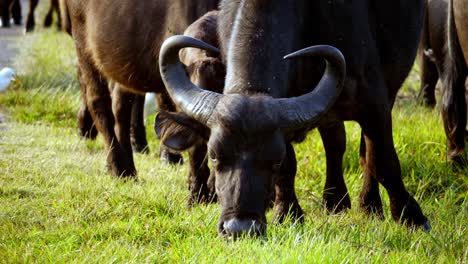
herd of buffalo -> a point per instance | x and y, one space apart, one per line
238 81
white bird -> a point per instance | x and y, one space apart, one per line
6 76
150 104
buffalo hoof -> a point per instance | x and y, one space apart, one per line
409 212
427 226
90 133
86 127
284 210
171 158
29 29
429 101
139 146
371 204
336 203
119 165
236 228
5 23
121 172
459 161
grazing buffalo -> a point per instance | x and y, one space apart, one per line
432 48
54 7
453 79
12 7
269 102
179 132
120 42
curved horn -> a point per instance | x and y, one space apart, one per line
191 99
307 109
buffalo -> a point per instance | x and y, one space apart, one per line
442 58
269 102
432 48
120 42
453 79
8 9
178 131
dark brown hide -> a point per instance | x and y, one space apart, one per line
120 41
432 48
454 112
10 7
249 144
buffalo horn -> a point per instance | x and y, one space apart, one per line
191 99
307 109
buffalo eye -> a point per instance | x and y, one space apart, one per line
214 161
213 158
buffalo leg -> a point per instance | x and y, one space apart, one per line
369 198
454 112
137 127
100 106
86 127
201 190
49 16
429 77
122 102
165 103
335 194
383 164
454 116
286 201
16 12
30 22
454 101
5 9
56 7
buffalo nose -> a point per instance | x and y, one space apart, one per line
238 227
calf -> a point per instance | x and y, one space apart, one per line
180 132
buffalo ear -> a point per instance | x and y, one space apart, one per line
177 131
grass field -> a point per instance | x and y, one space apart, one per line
59 205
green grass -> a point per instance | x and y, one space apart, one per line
59 205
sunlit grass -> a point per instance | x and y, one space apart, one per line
58 204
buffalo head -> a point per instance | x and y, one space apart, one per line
247 143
